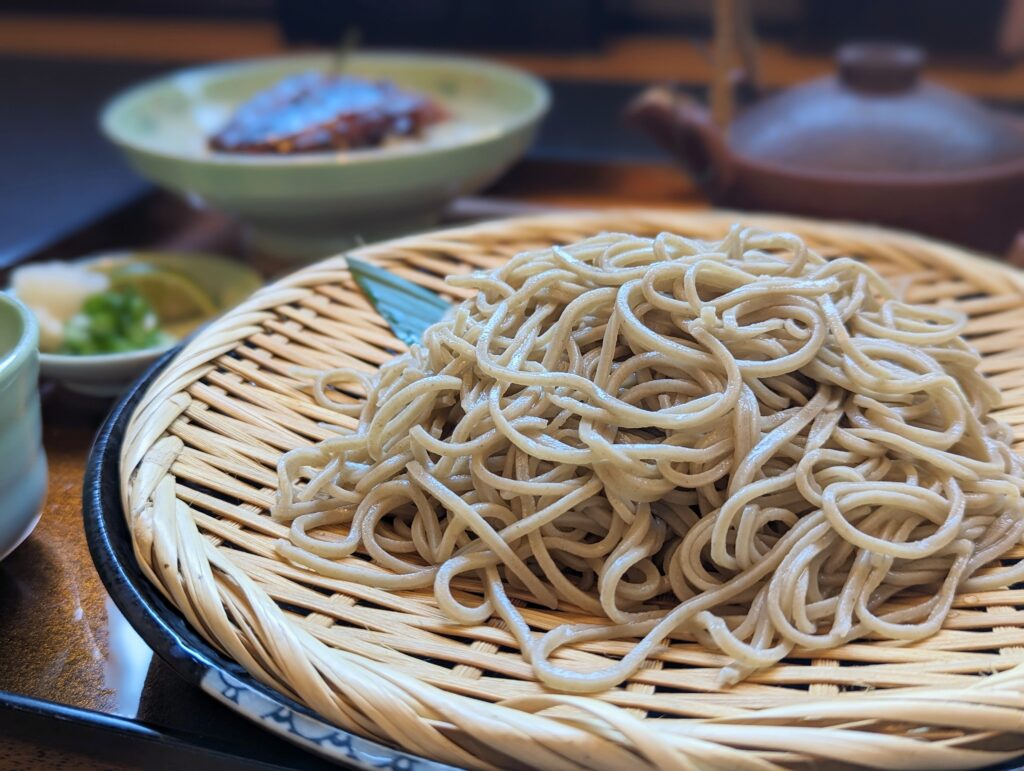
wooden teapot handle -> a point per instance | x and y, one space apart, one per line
686 129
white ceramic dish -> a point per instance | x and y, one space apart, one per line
102 375
227 282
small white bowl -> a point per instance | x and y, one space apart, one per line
108 374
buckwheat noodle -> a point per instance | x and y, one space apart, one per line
737 443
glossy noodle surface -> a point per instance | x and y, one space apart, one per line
738 443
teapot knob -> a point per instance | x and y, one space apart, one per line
879 67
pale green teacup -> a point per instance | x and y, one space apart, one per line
22 461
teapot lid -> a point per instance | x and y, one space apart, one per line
876 115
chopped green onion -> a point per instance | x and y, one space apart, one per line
112 322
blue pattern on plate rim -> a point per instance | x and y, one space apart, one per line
314 735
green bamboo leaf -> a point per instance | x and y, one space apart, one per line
407 307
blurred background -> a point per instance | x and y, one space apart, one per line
60 60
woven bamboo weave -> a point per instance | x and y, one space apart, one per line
198 471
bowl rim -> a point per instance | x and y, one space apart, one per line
139 356
537 88
27 342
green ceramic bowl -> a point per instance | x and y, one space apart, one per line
22 461
312 205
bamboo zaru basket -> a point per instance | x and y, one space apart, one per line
198 470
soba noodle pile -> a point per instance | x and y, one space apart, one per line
738 443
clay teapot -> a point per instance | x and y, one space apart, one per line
874 142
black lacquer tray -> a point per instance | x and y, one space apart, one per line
164 629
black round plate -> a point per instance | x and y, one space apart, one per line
169 634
